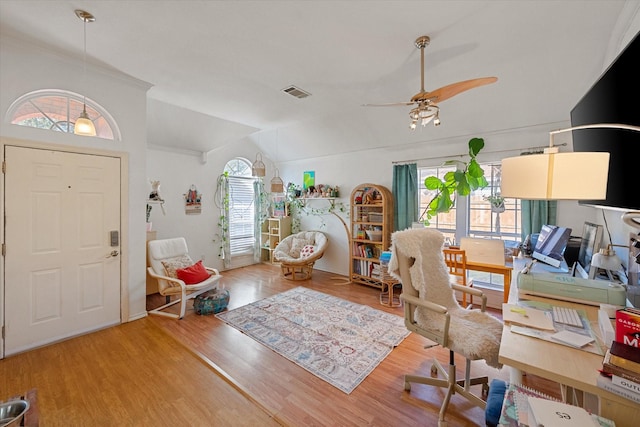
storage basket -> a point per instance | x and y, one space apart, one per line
375 217
374 235
211 302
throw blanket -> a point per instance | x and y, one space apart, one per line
472 333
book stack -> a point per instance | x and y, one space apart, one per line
628 326
621 371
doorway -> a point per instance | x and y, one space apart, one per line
62 235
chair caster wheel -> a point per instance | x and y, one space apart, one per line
434 371
407 386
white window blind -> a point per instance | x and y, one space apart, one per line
241 215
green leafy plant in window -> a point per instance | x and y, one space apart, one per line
467 177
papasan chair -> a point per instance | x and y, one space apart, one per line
298 252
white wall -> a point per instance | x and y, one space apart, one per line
177 171
25 68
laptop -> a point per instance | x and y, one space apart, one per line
483 251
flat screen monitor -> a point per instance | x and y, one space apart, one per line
589 245
551 244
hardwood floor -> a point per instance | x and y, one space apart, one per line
297 398
198 371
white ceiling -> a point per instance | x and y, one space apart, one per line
221 65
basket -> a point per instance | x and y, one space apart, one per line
375 217
374 235
211 302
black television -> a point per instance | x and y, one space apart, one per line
614 99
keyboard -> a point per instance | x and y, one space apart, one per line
567 316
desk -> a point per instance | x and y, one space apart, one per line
505 270
570 367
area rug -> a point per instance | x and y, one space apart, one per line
338 341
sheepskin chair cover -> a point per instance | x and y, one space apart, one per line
472 333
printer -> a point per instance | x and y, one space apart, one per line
568 288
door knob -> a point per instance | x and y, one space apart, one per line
113 254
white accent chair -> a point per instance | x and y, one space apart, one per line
296 265
431 310
175 250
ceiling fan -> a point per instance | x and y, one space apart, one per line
426 103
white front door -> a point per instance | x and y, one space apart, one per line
62 268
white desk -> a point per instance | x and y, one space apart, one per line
574 369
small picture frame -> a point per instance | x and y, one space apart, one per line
308 179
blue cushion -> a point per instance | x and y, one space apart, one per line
497 389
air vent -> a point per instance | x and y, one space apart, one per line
297 92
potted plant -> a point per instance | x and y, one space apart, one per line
467 177
496 201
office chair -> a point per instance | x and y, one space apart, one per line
431 310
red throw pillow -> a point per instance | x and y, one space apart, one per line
193 274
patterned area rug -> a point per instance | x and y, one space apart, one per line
334 339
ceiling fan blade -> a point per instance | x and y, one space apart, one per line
453 89
390 104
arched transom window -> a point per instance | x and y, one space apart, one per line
58 110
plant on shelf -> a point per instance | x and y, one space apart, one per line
467 177
297 206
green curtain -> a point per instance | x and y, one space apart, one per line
536 213
405 194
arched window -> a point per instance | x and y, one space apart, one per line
58 110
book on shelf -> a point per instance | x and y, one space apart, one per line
625 356
612 369
606 383
628 326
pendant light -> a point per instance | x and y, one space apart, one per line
258 168
84 125
277 185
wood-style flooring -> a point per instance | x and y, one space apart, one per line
198 371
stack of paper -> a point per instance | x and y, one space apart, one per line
548 413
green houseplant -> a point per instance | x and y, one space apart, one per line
467 177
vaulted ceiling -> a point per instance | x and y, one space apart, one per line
218 68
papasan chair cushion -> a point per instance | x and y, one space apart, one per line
298 252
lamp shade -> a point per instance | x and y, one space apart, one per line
556 176
277 185
258 169
84 125
605 261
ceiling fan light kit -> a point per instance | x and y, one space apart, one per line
426 108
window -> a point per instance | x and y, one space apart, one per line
57 110
242 233
474 216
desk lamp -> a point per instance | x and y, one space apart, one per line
606 259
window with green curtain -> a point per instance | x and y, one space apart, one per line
405 194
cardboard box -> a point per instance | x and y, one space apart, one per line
628 326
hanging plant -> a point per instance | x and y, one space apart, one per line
496 201
467 177
298 206
222 203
